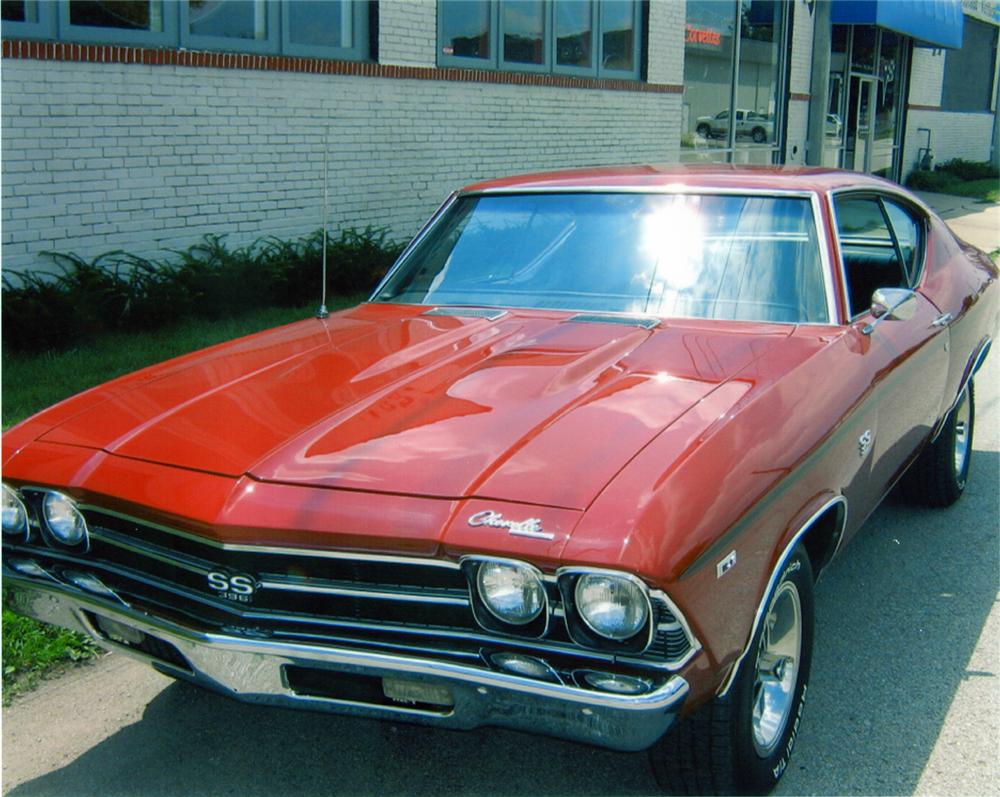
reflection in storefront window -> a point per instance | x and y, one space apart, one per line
234 19
863 50
709 77
574 34
524 31
708 74
466 28
835 125
321 23
125 14
757 89
887 104
617 27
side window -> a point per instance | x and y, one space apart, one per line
907 230
871 259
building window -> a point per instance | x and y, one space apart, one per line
735 60
968 73
320 28
590 38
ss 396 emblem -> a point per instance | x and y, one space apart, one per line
865 443
232 586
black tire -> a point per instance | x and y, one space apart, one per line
759 135
704 131
937 477
719 749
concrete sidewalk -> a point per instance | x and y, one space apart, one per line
972 220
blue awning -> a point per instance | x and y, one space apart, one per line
937 22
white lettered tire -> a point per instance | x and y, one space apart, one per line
742 743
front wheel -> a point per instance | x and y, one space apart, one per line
759 135
938 476
741 743
704 131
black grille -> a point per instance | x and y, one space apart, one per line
382 603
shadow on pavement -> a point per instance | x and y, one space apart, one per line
899 614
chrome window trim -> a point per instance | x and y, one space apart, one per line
813 196
414 242
875 191
775 572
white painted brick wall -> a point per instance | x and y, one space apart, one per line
407 32
100 156
666 42
798 132
953 135
926 76
801 58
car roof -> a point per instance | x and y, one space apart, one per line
688 176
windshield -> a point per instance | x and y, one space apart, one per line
752 258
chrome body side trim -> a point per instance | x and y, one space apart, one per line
976 361
775 574
256 671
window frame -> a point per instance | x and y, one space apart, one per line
570 69
43 28
360 51
498 63
918 216
53 25
95 34
196 41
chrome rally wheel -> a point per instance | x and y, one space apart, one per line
777 669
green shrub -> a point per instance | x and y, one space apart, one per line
924 180
969 170
117 291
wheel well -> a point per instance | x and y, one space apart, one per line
823 536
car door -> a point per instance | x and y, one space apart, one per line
905 360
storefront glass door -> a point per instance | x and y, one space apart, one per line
860 130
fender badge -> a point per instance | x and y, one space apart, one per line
725 565
532 527
865 443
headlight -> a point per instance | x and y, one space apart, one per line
613 606
512 592
15 516
64 521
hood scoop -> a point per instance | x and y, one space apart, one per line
489 313
624 320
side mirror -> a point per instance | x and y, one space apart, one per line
891 304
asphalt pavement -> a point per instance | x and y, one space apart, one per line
904 695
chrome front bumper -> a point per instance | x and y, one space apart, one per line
256 671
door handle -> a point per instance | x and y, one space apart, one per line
943 320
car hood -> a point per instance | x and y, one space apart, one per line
534 407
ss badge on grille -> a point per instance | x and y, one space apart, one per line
232 586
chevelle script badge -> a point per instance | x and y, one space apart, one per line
532 527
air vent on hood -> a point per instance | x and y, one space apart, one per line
490 314
625 320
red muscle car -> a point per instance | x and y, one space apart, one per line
572 469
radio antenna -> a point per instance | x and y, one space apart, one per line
322 312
